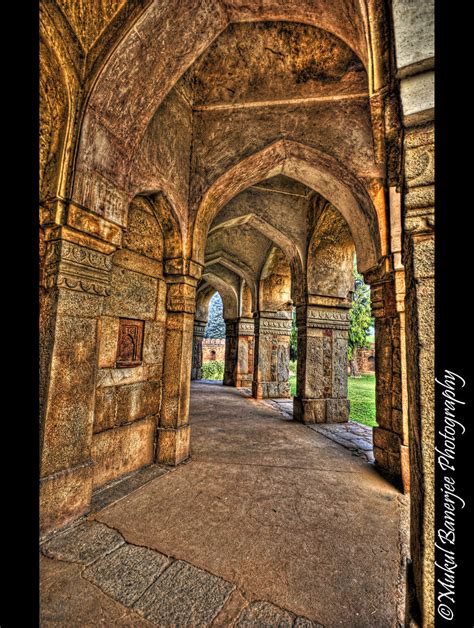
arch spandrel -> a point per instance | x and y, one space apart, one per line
158 205
275 284
237 267
330 257
204 294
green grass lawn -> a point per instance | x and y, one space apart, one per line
361 396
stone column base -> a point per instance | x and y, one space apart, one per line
391 457
228 380
65 496
173 445
244 381
271 390
320 410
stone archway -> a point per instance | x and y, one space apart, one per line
303 163
122 68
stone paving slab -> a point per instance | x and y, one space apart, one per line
184 596
69 601
351 435
264 614
126 573
83 544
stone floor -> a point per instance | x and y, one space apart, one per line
351 435
269 524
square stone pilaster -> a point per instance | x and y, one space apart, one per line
198 335
390 435
74 282
231 343
245 353
173 430
272 355
239 352
322 364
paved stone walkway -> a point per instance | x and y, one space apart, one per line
270 524
351 435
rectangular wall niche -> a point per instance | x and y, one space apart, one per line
130 343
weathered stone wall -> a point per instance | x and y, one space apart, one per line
414 46
389 435
128 400
419 262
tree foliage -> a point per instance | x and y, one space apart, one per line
215 327
360 317
213 370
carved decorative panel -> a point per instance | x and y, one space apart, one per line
130 343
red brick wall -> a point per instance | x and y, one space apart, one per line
366 360
213 349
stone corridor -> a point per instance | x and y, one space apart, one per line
258 528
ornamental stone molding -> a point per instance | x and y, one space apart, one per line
75 267
199 328
181 297
318 318
240 327
246 327
273 326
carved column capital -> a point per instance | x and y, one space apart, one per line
76 267
246 327
183 267
275 323
199 328
318 317
181 294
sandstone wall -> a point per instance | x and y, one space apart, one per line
128 400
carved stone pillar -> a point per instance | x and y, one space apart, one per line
390 447
198 335
239 352
272 355
321 395
245 353
231 341
174 431
75 280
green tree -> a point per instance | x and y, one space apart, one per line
360 320
215 327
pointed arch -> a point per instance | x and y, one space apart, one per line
281 240
161 44
237 267
230 299
317 170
